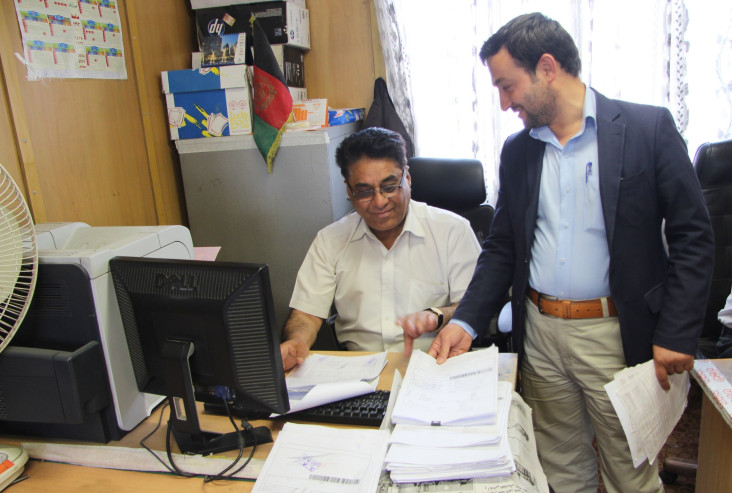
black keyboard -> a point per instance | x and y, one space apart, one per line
365 410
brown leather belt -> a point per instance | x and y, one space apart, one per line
572 309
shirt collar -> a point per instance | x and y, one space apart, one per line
411 225
589 117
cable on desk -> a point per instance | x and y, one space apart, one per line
173 467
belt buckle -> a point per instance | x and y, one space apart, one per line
542 296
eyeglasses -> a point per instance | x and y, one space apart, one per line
386 191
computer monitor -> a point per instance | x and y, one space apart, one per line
201 330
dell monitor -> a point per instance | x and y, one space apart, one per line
200 330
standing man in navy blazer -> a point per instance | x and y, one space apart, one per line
588 190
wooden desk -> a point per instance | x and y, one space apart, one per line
60 478
714 473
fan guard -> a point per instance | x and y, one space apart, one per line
18 258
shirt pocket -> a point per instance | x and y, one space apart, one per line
592 206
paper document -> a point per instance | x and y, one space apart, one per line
435 453
461 391
647 413
322 379
322 459
527 478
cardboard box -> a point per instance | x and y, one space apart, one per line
213 102
343 116
298 93
292 63
204 4
283 23
206 79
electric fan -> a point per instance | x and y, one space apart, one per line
18 270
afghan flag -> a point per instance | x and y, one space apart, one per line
272 98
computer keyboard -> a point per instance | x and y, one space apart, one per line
365 410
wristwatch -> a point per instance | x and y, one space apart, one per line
440 315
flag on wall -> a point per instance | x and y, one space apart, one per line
272 98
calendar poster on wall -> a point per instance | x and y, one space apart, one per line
71 38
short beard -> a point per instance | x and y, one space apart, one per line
545 112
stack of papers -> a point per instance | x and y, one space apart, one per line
460 392
451 420
319 458
647 413
322 379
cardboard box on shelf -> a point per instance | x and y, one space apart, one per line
298 93
206 79
292 63
204 4
343 116
213 102
283 23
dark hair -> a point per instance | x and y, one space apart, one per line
372 142
527 37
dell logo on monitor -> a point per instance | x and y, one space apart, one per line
185 284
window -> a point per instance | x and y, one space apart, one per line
663 52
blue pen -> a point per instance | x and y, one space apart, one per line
588 170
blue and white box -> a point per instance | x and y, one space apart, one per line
208 102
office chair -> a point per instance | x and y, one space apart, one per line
458 186
713 166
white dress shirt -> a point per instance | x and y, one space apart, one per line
725 314
430 264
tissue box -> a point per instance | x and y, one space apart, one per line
348 115
212 102
282 22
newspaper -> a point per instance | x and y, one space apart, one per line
528 478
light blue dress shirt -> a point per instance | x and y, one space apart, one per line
570 257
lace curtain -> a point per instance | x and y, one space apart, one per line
663 52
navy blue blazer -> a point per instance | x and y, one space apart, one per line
646 178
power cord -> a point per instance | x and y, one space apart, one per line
207 478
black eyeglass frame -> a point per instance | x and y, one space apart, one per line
386 191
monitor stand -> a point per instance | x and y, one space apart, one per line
184 415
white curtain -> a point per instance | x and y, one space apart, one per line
661 52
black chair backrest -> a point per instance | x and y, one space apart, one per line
453 184
713 165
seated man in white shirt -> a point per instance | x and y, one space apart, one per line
395 269
724 344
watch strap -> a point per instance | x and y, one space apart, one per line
440 316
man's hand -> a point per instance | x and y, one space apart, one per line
414 325
668 362
293 353
451 341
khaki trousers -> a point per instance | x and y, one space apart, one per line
567 364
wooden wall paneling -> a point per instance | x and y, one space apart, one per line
9 157
17 122
87 140
163 38
340 65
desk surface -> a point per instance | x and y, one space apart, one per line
60 478
715 378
